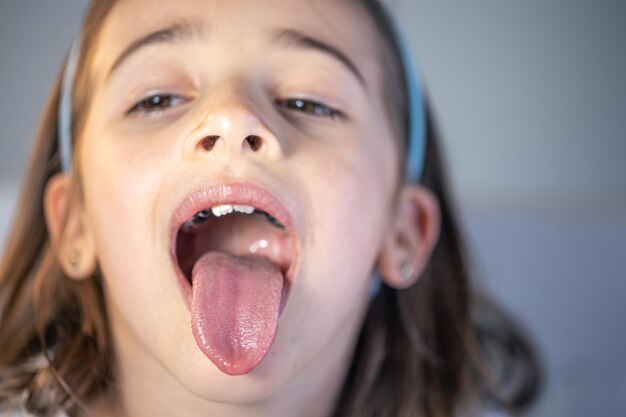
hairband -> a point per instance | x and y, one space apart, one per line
416 140
416 135
65 109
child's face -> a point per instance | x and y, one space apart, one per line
236 72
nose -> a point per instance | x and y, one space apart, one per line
232 126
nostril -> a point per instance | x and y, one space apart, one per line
255 142
209 142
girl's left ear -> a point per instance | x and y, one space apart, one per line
411 237
69 233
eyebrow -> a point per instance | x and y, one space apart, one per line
187 31
290 37
178 32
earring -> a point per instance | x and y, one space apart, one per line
74 258
407 270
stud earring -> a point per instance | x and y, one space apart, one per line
407 270
74 258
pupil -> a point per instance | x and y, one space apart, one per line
157 101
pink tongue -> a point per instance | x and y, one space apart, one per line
234 309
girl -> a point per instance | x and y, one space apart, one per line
215 189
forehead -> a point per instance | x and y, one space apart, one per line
342 23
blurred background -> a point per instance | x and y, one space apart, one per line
530 97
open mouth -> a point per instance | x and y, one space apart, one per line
234 247
237 229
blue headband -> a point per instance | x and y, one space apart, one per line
416 110
65 109
416 135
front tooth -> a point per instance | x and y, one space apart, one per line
222 210
244 208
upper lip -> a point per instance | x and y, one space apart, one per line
211 195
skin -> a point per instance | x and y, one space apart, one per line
337 177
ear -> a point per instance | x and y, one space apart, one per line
69 233
410 238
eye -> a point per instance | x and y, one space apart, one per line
309 107
156 103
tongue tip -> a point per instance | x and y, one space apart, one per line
233 362
238 367
235 370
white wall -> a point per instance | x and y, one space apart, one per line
530 95
8 197
564 276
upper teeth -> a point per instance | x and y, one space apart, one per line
225 209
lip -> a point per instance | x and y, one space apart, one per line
231 193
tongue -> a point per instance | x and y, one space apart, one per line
234 310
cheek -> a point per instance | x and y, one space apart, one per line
352 215
350 195
120 191
352 199
117 193
119 228
122 178
148 318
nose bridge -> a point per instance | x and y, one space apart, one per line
230 122
231 113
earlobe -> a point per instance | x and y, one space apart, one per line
411 237
69 234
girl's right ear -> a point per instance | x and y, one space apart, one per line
69 233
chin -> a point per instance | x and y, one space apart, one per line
198 375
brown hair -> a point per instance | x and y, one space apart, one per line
55 345
429 350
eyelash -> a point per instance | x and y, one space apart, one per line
162 102
309 107
156 103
